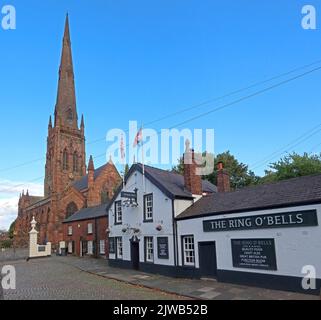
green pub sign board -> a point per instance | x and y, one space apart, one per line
294 219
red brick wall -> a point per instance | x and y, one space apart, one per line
79 233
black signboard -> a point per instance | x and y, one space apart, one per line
129 195
162 248
293 219
254 254
112 245
41 248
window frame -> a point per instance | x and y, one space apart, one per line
70 230
92 247
92 228
104 246
146 252
118 203
119 257
70 243
184 250
146 219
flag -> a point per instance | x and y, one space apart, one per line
138 138
122 149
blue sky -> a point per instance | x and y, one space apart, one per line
139 60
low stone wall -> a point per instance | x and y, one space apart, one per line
13 254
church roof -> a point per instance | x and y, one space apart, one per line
88 213
37 202
82 183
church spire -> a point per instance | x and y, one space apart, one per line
65 111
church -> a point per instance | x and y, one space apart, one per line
67 186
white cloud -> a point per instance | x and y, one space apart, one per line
9 197
16 187
8 211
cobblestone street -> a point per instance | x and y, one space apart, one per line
68 278
49 279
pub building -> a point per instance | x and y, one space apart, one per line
142 231
181 226
262 236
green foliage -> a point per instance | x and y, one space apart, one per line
292 166
239 172
11 230
6 244
126 169
240 175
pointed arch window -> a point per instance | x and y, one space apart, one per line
65 160
75 162
71 209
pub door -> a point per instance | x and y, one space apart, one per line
207 259
134 253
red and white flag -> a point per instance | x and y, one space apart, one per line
122 149
138 138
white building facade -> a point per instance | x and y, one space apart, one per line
277 247
142 227
266 236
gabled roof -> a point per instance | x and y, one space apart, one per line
37 202
82 183
292 192
88 213
170 183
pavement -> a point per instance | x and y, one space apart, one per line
88 278
191 288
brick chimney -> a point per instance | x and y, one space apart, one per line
223 179
193 182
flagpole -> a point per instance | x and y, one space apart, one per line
144 186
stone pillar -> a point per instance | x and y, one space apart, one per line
33 237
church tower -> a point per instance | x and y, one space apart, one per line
66 158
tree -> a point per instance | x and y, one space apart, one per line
11 230
126 169
239 172
292 166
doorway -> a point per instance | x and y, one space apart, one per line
207 259
134 253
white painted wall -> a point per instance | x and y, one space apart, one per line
295 247
133 217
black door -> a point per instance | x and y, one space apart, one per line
207 259
134 251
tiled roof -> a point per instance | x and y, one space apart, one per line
173 182
88 213
290 192
82 183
